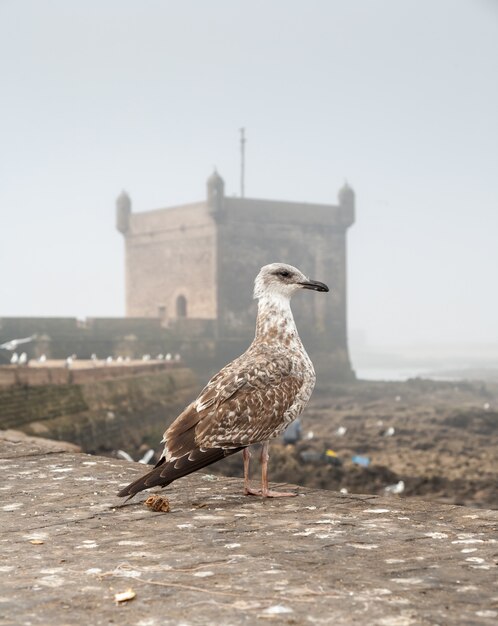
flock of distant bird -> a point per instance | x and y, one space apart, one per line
22 359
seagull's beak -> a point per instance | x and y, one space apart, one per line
315 285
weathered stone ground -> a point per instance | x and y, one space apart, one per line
68 545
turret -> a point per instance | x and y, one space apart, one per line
123 212
215 191
346 198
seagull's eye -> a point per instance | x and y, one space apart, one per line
283 273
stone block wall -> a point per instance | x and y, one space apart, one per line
171 253
101 415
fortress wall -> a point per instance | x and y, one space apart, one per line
101 414
246 242
171 253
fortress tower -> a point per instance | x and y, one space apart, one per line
194 265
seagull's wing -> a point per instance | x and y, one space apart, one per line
13 343
24 340
255 410
244 404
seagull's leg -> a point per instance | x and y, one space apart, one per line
247 485
265 490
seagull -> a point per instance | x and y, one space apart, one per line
14 359
144 460
13 343
252 399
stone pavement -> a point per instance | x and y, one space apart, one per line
68 545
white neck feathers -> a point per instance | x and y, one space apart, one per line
275 320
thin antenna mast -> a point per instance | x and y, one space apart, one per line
242 161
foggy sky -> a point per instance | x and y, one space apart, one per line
399 98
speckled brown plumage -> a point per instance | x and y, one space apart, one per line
252 399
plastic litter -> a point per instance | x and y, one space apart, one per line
293 433
311 456
332 458
362 461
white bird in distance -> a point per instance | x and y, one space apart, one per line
13 343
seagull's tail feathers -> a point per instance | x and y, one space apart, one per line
165 473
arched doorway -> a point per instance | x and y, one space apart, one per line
181 306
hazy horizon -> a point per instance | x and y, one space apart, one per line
400 99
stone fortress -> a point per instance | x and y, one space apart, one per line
193 267
189 278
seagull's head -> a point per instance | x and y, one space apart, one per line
282 280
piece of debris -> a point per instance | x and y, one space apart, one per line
344 490
389 432
36 542
362 461
124 596
399 487
293 433
332 458
311 456
341 431
157 503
